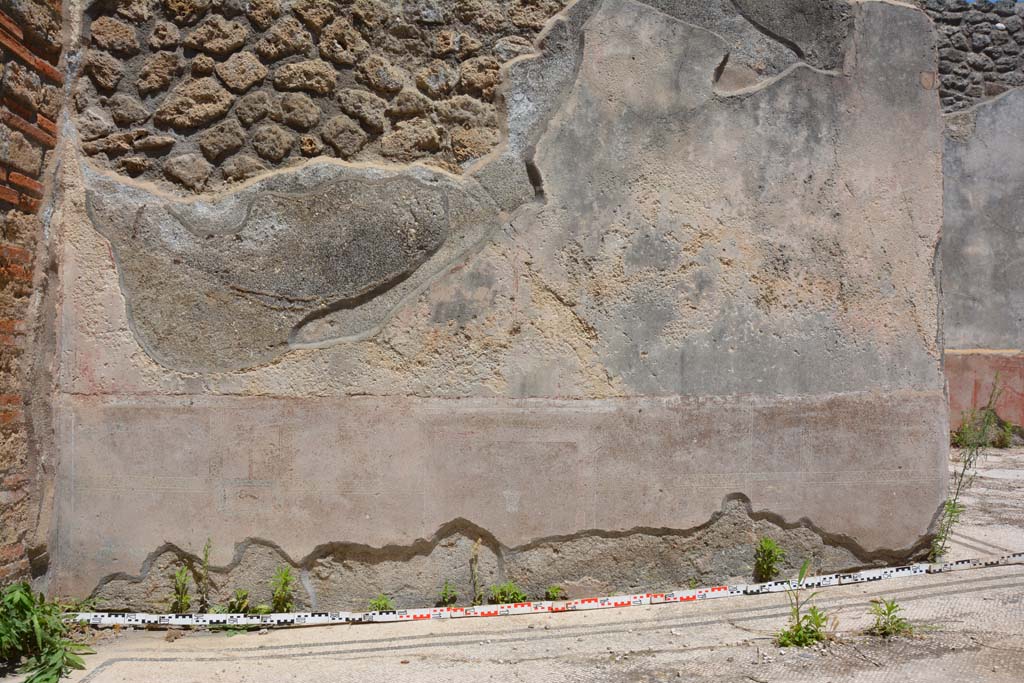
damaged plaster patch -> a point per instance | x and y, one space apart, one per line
341 576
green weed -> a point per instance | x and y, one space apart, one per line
181 600
693 584
806 626
554 593
283 584
448 595
34 633
888 623
381 603
474 574
203 585
506 593
239 602
767 558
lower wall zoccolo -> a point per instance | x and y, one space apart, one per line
389 474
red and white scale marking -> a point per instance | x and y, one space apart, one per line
542 607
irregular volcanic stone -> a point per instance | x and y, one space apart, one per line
94 123
425 11
410 140
364 106
104 70
315 13
194 103
115 36
218 36
342 44
473 143
222 140
49 101
113 145
532 14
203 65
310 145
273 142
313 75
158 72
481 75
191 170
285 38
136 11
256 106
381 75
467 110
372 13
165 36
510 47
241 71
127 110
408 104
185 12
344 135
22 85
299 111
134 165
262 13
242 166
437 79
153 143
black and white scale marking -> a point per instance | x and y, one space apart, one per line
542 607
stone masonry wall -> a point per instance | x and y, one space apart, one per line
30 100
200 94
981 48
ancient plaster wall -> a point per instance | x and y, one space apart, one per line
983 256
687 297
31 93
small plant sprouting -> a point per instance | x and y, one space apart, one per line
382 603
973 437
767 558
474 574
203 585
283 598
888 623
506 594
181 600
806 627
239 602
693 583
448 595
554 593
33 632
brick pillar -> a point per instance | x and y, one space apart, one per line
31 92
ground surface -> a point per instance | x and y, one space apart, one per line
970 628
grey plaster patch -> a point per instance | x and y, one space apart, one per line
816 30
356 240
982 251
346 576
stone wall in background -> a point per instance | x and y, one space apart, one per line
981 48
31 92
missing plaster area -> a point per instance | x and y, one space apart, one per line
981 49
202 93
345 576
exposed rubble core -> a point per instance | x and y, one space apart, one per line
980 49
364 80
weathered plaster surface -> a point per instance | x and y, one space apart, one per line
683 290
983 241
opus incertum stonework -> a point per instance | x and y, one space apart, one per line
608 287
